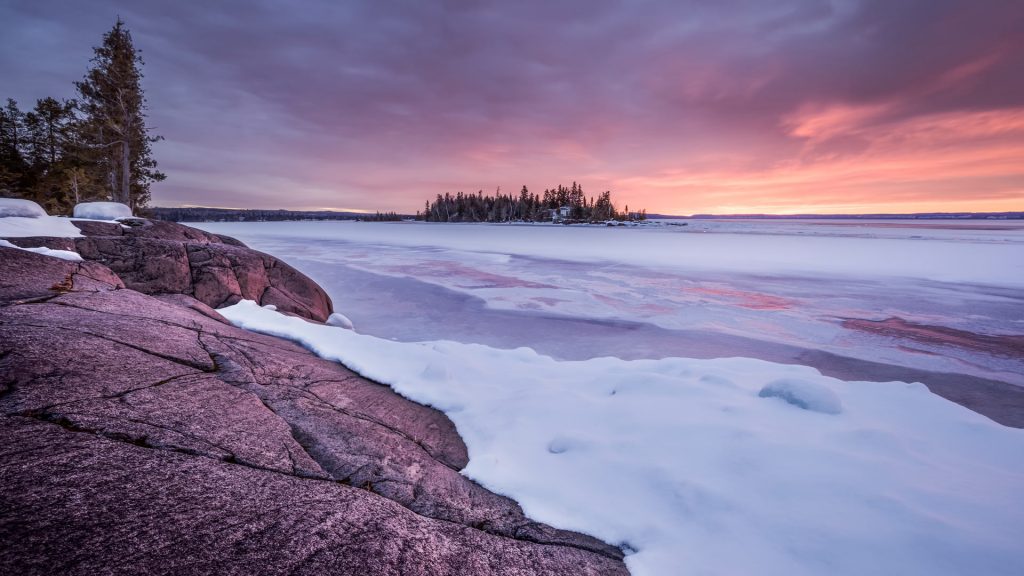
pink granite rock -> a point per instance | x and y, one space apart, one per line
145 435
155 257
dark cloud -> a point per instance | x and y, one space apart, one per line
378 104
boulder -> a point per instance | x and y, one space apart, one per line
158 257
27 276
97 228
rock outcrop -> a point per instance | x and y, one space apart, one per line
142 434
156 257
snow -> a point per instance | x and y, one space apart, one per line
804 394
102 211
21 208
19 218
686 464
62 254
340 320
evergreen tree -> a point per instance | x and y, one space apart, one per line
13 166
114 129
49 127
14 169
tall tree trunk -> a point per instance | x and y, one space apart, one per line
126 169
112 176
74 184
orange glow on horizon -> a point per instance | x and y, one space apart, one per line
940 163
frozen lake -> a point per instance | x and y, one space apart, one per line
932 301
677 406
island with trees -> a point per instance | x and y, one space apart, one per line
565 204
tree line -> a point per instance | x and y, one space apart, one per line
565 204
200 214
93 147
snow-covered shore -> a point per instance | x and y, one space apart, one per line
683 460
727 466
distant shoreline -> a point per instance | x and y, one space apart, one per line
914 216
199 214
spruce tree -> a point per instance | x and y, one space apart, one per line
13 167
114 129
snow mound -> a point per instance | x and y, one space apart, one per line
62 254
11 207
803 394
340 320
102 211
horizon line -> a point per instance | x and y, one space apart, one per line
1016 213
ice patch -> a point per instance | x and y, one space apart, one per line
803 394
102 211
20 208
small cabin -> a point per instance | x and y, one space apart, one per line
557 214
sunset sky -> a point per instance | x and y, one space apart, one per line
679 107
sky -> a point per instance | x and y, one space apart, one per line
727 106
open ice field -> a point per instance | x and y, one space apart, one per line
944 297
633 419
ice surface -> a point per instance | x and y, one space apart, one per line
62 254
102 211
940 255
683 462
707 294
21 208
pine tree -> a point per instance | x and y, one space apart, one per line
13 167
114 105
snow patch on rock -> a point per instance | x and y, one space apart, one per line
21 218
62 254
16 207
102 211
